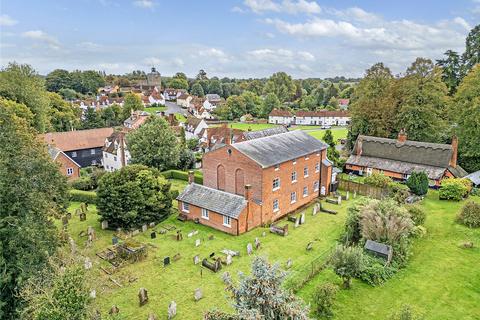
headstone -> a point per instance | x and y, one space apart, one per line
289 263
114 310
153 235
197 242
144 228
152 316
257 244
190 234
226 277
196 259
89 240
309 246
179 235
264 234
354 194
135 232
142 296
177 257
297 222
114 240
249 249
172 310
229 260
83 207
198 294
166 261
78 211
93 294
73 246
302 218
83 216
195 232
152 225
347 196
69 215
315 209
88 263
339 200
91 232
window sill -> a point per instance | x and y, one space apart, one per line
292 202
275 189
305 195
206 218
227 225
306 176
186 211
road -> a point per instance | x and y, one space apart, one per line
172 107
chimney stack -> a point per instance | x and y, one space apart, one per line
191 177
402 136
453 160
228 138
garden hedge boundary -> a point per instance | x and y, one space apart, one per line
182 175
83 196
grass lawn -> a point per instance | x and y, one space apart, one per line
180 117
153 110
338 133
441 279
179 280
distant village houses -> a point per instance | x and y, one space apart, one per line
309 118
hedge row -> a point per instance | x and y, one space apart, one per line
182 175
83 196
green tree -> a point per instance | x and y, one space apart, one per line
215 87
22 84
347 263
261 296
309 103
180 75
132 102
471 56
63 116
324 297
253 103
270 102
452 69
282 85
68 94
58 79
202 75
418 183
91 81
197 90
133 196
236 107
18 109
255 86
154 144
178 83
330 92
92 119
32 191
328 138
112 115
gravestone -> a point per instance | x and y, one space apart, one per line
309 246
249 249
83 207
197 242
179 235
69 215
104 224
177 257
172 310
152 316
339 200
289 263
153 235
354 194
190 234
64 221
73 246
144 228
83 216
198 294
229 260
152 225
257 244
88 263
93 294
91 232
78 211
142 296
315 209
195 232
166 261
297 222
226 277
114 310
302 218
347 196
114 240
196 259
264 234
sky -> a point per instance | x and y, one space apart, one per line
232 38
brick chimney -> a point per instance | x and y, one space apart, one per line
248 192
402 136
453 160
228 138
191 177
358 146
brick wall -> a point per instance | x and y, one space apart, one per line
66 163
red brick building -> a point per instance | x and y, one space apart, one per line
257 181
398 158
68 167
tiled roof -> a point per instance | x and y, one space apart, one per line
279 148
222 202
280 113
321 113
264 133
79 139
54 152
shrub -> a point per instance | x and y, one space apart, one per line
398 191
406 312
418 231
378 180
347 263
83 196
454 189
83 183
418 183
324 298
375 273
470 215
182 175
352 232
417 214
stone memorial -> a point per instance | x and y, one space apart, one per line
297 222
249 249
257 244
315 209
69 215
91 232
152 316
264 234
114 310
354 194
309 246
179 235
172 310
196 259
152 225
83 207
64 221
289 263
73 246
177 257
197 242
104 224
195 232
339 200
302 218
144 228
166 261
153 235
198 294
229 260
142 296
347 196
83 216
190 234
93 294
78 211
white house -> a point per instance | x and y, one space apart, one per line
156 97
195 127
115 152
322 118
172 94
184 100
278 116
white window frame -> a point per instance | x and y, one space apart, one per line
293 197
305 194
316 186
92 151
306 158
115 158
274 188
294 161
276 205
69 171
74 154
294 174
305 172
317 167
185 207
227 221
205 214
277 167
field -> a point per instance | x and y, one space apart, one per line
179 280
153 110
338 133
441 280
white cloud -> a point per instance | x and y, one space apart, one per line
178 62
280 56
307 56
90 46
41 36
460 21
214 53
237 9
7 21
357 14
151 61
286 6
148 4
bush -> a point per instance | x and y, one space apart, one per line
417 215
470 215
324 298
406 313
347 263
182 175
83 196
398 192
476 192
454 189
418 183
83 183
378 180
375 273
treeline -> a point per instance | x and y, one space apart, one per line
424 102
